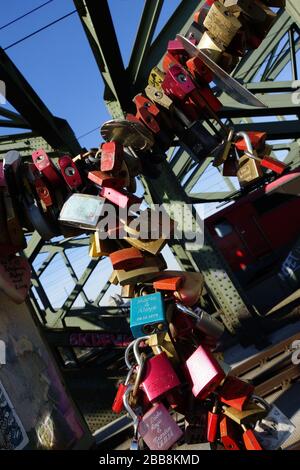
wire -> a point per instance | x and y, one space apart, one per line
40 29
25 14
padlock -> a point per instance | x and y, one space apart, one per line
248 8
221 24
70 172
195 32
149 225
210 47
45 165
159 97
153 246
43 192
250 440
191 290
205 372
15 275
169 284
147 315
203 321
127 259
159 376
249 171
128 291
196 424
235 392
118 405
213 419
120 198
199 71
106 180
228 434
230 166
82 210
169 60
274 430
156 427
156 78
112 154
197 140
152 266
251 413
163 342
99 247
222 152
257 139
273 164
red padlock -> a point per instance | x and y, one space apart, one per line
273 164
198 70
117 406
258 141
213 423
228 434
169 60
235 392
120 198
169 284
45 165
106 180
127 259
112 154
69 172
250 440
205 372
43 192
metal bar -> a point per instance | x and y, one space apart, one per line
149 19
293 54
99 28
177 23
275 130
20 94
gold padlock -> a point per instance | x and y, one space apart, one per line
223 154
210 47
150 246
152 266
162 342
156 78
159 97
251 413
221 24
249 170
99 248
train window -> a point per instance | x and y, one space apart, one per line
223 228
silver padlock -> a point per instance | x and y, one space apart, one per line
204 322
275 429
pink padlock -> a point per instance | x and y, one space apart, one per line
120 198
177 83
205 372
158 429
159 376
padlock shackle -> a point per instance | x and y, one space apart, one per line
136 349
262 401
127 407
127 352
246 138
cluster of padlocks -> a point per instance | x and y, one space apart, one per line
173 370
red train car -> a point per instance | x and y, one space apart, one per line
258 230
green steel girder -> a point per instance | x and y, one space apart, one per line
139 56
98 25
275 130
23 98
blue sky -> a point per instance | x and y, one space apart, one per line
58 62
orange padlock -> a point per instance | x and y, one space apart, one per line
169 283
127 259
